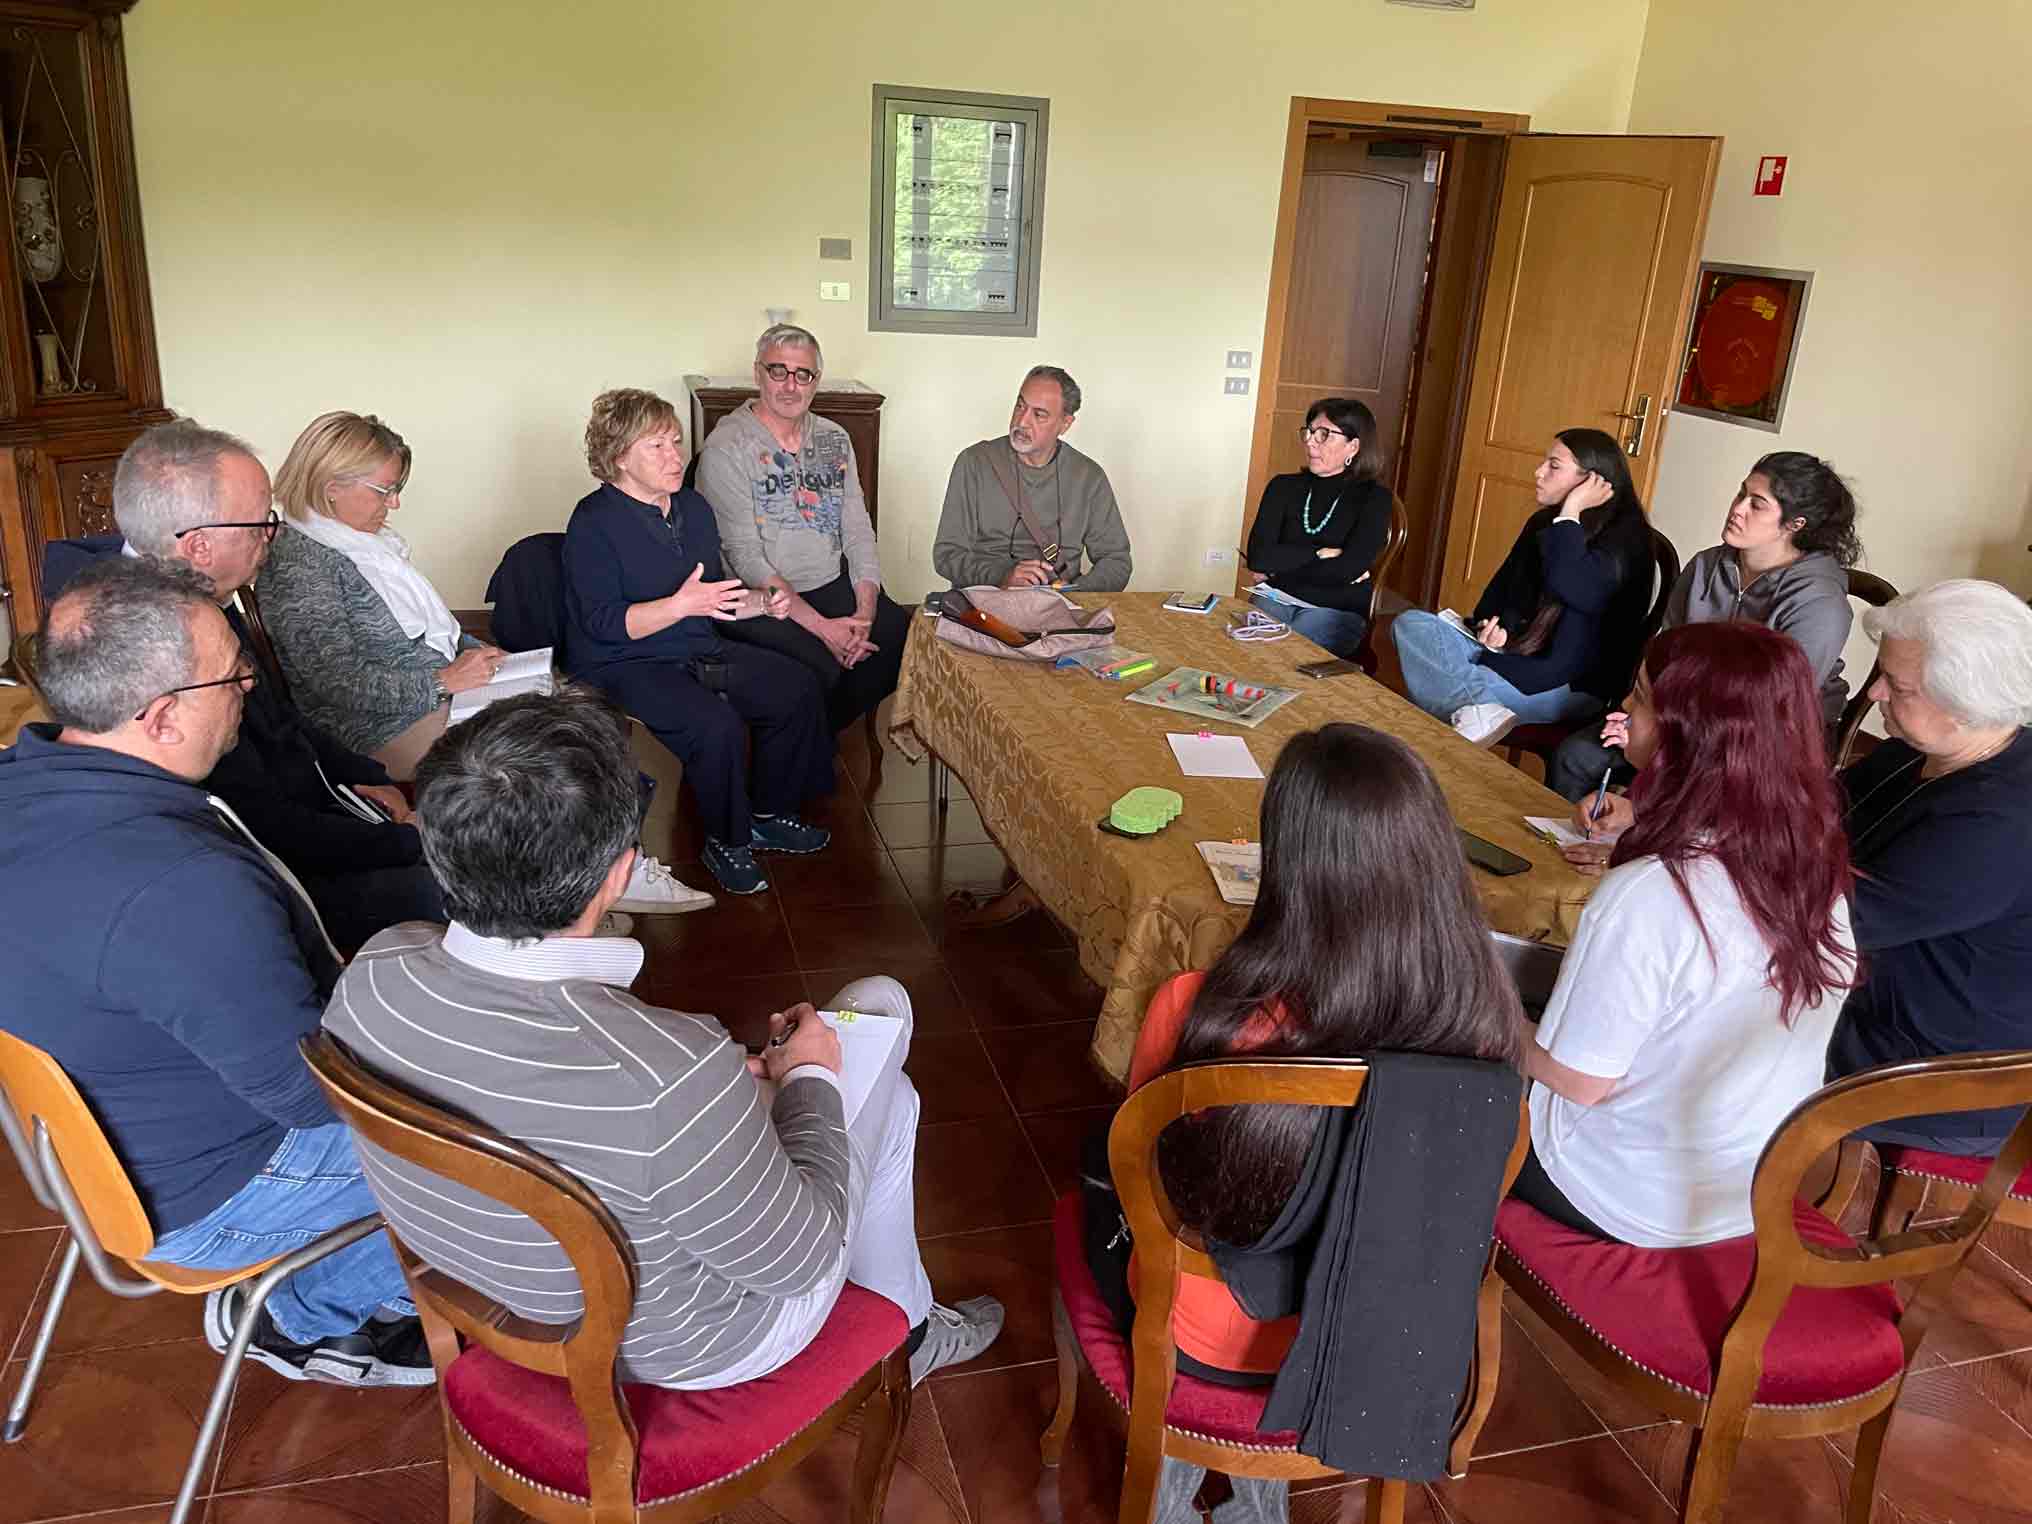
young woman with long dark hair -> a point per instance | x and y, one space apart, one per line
1318 531
1557 630
1788 540
1693 1010
1366 935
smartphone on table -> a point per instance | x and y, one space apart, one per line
1333 666
1486 854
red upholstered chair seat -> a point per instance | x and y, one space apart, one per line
529 1424
1223 1413
1964 1171
1666 1310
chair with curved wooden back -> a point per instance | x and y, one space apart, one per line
1379 570
538 1412
1542 741
1794 1330
1164 1415
72 1169
1865 587
1915 1184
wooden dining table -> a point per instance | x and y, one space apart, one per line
1044 753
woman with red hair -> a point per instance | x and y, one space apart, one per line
1693 1010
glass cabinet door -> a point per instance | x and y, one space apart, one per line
57 206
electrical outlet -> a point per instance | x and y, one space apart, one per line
1237 386
835 291
1220 555
1240 359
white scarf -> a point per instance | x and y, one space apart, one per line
383 559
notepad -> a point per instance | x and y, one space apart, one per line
523 672
1561 833
870 1050
1214 756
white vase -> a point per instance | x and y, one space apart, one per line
36 230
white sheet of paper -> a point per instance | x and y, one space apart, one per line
1214 756
868 1051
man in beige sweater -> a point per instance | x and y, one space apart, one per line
1026 509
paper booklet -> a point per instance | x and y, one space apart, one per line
1237 866
524 672
1561 833
869 1050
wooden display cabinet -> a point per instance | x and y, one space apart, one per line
79 376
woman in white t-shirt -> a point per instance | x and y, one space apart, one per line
1693 1010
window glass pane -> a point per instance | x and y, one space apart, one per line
958 213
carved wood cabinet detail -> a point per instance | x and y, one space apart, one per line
79 376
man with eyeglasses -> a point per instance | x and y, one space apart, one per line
786 499
197 497
169 964
1026 509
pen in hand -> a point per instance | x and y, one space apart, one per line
1601 797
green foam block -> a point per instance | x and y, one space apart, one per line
1144 810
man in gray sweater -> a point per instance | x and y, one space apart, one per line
748 1192
786 497
1027 509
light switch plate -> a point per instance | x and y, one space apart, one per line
1240 359
835 291
1237 386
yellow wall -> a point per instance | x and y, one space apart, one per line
1907 196
469 219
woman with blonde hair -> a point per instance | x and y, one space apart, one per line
645 596
372 652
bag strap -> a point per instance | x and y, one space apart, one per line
1000 461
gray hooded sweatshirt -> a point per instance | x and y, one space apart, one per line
1808 600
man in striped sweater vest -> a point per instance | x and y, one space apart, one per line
748 1196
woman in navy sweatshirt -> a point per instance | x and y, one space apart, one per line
1557 633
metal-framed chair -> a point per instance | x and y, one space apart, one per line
1159 1417
1795 1330
73 1171
537 1411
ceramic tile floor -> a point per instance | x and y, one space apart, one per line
1003 1018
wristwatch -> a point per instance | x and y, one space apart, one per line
440 694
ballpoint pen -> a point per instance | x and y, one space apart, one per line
1601 795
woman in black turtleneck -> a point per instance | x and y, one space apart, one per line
1318 530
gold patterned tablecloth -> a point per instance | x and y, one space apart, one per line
1044 753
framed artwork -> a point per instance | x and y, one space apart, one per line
1741 343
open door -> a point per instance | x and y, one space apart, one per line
1597 247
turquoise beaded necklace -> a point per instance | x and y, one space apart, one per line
1305 514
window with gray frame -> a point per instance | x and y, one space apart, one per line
957 219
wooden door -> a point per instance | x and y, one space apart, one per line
1357 282
1597 246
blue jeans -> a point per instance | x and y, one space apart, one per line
1441 675
310 1185
1335 630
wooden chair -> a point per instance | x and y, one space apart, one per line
1194 1421
536 1410
1911 1181
1872 589
263 642
1794 1330
73 1171
1542 741
1385 562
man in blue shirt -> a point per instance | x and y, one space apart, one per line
169 963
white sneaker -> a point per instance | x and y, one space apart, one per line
1484 724
654 890
953 1334
615 924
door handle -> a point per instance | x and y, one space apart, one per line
1634 445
